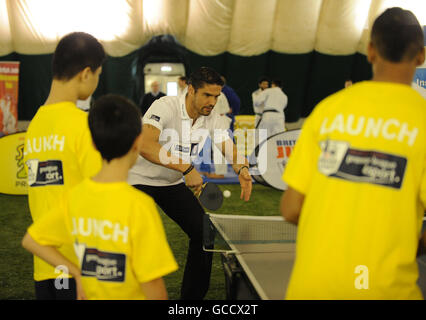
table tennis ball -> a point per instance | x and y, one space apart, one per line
226 193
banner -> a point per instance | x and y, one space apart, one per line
13 175
420 75
9 82
419 81
269 159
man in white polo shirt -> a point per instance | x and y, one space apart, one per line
174 131
274 101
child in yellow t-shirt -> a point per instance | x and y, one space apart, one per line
357 178
58 151
117 233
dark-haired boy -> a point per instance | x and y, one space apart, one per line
58 148
116 230
174 131
357 178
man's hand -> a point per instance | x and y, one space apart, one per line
194 181
246 184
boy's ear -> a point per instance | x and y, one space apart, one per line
420 58
85 73
371 53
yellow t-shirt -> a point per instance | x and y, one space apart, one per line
360 161
117 234
58 154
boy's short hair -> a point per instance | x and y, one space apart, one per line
183 78
75 52
397 35
114 123
204 75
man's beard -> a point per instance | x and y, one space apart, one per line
207 110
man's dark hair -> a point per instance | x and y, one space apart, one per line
204 75
114 122
183 78
397 35
263 78
278 83
75 52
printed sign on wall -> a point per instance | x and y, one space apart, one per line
9 82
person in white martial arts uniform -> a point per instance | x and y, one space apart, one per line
274 101
263 84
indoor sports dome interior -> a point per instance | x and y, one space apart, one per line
312 45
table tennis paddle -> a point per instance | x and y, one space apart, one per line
211 196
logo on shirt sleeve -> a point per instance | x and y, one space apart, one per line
154 117
338 160
44 173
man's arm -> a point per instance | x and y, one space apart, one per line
52 256
291 205
152 150
155 289
240 166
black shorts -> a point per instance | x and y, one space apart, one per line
46 289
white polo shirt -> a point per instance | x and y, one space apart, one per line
179 136
271 99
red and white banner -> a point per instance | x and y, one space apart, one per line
9 83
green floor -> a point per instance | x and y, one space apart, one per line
16 264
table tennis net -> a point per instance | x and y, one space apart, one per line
253 229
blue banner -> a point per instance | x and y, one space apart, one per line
420 76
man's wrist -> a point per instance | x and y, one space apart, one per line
241 169
188 170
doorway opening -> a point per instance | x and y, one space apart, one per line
164 60
166 74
